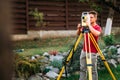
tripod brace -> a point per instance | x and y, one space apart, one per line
89 66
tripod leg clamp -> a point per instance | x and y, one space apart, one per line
104 60
89 64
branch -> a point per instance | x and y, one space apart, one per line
109 4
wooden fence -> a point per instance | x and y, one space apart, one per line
58 15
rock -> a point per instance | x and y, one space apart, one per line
65 53
35 77
118 46
113 62
118 58
51 74
57 57
19 50
46 54
49 67
104 50
45 78
33 58
56 70
64 75
44 60
37 56
118 50
112 47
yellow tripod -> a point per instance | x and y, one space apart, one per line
88 59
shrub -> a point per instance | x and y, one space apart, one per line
38 16
56 63
109 40
74 63
25 66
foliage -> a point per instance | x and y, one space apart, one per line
25 67
93 5
74 63
38 16
96 7
101 43
56 63
112 51
109 53
109 40
105 75
72 77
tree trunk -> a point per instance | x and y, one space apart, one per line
109 21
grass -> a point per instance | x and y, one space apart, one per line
117 38
72 77
104 74
40 46
32 47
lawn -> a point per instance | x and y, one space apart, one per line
39 46
32 47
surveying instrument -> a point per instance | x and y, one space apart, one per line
85 31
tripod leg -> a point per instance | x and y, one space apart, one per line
88 56
60 74
89 61
70 55
89 65
102 56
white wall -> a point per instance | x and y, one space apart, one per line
53 34
44 34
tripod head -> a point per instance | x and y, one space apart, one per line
85 30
